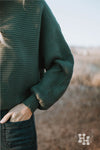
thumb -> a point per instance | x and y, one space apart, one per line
6 117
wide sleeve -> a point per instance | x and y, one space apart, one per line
56 58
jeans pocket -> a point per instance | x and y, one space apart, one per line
21 135
17 124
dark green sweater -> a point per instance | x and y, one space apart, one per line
36 63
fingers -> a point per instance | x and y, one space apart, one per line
6 117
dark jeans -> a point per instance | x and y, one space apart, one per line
18 135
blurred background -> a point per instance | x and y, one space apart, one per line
78 110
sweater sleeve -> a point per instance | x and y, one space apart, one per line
56 58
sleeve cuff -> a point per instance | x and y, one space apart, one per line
31 102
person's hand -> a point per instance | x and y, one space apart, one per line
18 113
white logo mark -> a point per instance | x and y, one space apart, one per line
85 140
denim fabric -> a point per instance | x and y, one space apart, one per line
19 135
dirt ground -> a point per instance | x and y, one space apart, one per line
77 111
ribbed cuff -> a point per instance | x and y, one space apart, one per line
31 102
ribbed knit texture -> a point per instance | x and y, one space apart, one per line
33 41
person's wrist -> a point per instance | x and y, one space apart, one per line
31 102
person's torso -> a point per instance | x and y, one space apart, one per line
19 52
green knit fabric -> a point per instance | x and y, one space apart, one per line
36 63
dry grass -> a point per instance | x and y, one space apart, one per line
77 111
96 80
